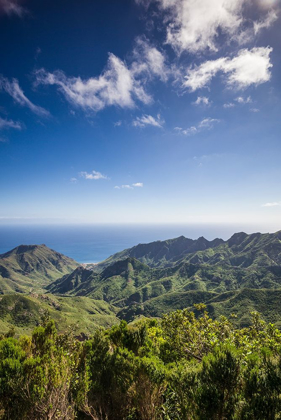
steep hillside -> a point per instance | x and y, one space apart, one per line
116 282
241 250
128 282
32 267
162 253
233 276
78 314
238 304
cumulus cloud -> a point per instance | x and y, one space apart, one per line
12 7
92 175
119 84
205 124
196 25
202 100
272 204
14 90
138 185
117 123
249 67
5 124
147 120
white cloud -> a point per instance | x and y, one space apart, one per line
202 100
118 123
208 123
146 120
196 25
229 105
118 85
93 175
254 110
14 90
149 60
273 204
115 86
190 131
247 68
242 100
129 187
12 7
265 23
5 124
73 180
205 124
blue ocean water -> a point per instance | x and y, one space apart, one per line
94 243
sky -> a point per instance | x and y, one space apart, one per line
140 111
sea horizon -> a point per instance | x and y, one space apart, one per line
92 243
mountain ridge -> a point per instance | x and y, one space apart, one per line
238 274
32 266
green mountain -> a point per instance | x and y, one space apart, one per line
78 314
177 273
241 250
233 276
32 267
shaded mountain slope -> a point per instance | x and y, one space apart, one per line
128 282
241 250
32 266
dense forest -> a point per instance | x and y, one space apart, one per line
184 365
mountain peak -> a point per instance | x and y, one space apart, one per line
22 249
237 238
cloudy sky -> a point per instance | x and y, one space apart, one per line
157 111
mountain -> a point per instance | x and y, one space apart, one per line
241 250
32 267
116 282
162 253
181 272
233 276
239 303
78 314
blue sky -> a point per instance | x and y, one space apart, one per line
140 111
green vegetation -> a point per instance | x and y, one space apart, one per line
241 250
80 314
32 267
183 366
234 276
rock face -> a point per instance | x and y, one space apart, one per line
32 266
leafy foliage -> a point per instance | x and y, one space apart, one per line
183 366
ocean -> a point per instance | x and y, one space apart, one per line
94 243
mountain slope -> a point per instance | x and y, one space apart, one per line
241 250
162 253
80 314
31 267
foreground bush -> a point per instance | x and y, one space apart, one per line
180 367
